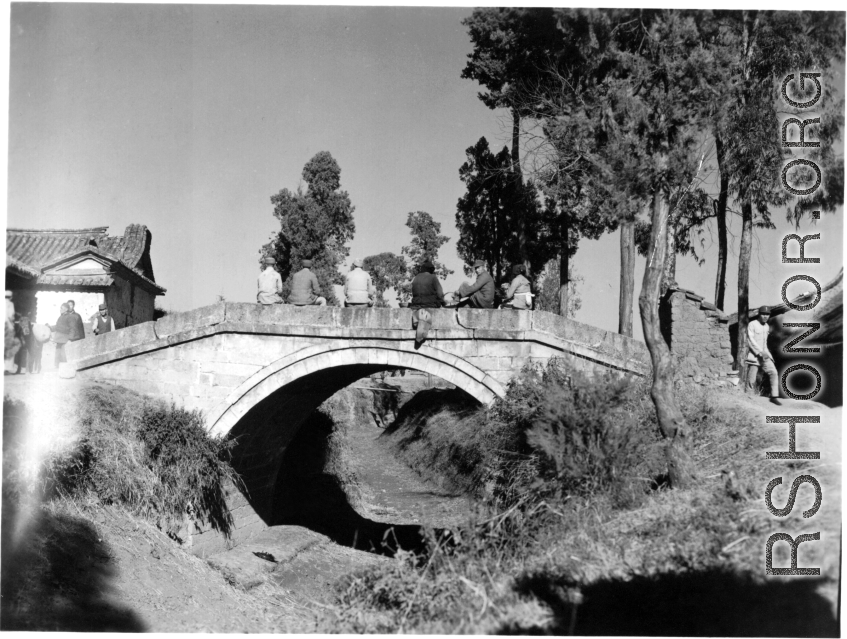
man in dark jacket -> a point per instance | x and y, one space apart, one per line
305 289
481 292
77 326
426 293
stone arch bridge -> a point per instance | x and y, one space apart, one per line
257 372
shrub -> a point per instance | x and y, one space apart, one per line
589 439
192 468
117 447
556 433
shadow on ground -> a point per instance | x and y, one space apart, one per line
696 603
59 576
308 496
55 572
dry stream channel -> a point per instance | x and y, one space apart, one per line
342 505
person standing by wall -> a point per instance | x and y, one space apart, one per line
426 294
61 334
103 323
359 289
77 325
24 333
38 334
11 342
758 355
270 284
305 289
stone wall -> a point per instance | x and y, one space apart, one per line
698 334
129 304
203 540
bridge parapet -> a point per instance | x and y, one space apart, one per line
582 340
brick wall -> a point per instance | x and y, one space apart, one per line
698 335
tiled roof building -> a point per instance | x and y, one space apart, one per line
46 267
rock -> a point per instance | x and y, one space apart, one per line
247 565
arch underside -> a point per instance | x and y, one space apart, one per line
325 358
266 411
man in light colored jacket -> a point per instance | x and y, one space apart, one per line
759 356
270 284
359 289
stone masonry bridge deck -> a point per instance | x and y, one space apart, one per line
257 372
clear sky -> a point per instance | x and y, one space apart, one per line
187 118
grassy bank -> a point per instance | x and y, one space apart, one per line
69 462
577 532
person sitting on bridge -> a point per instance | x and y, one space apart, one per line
519 293
270 284
103 322
480 294
359 289
305 289
426 293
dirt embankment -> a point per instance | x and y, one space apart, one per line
97 568
76 568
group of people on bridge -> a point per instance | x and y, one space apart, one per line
359 290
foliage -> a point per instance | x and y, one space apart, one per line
426 241
387 270
522 565
496 208
512 47
155 460
315 224
588 436
757 49
192 468
555 433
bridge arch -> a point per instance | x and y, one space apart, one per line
370 355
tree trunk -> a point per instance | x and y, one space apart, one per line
627 279
671 420
523 252
563 283
564 265
720 214
744 253
669 268
516 142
